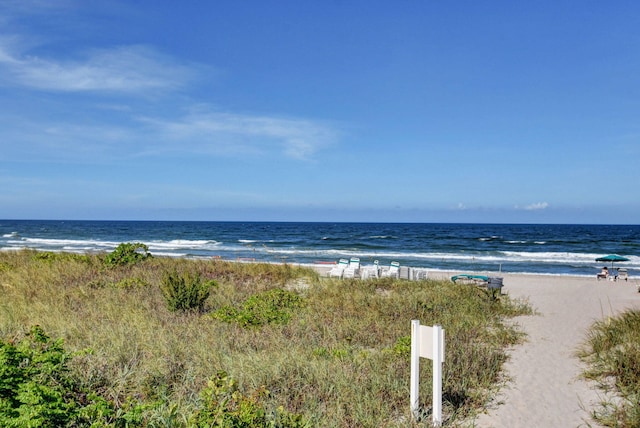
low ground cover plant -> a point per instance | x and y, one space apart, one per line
612 354
319 351
271 306
223 405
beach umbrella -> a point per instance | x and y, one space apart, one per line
612 258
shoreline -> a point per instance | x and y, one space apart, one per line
543 249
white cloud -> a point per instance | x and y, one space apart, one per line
534 207
120 69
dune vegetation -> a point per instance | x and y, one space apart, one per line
611 352
128 339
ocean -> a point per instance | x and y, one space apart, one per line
464 248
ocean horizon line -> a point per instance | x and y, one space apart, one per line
324 222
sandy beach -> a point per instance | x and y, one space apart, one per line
544 389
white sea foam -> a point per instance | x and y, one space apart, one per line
167 254
180 244
67 242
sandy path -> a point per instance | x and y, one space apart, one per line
545 390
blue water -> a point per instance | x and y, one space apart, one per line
546 249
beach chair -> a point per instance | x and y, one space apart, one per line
353 269
393 271
623 274
338 270
370 271
419 274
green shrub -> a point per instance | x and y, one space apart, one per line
224 406
185 291
272 306
127 254
38 390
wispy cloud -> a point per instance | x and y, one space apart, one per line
240 133
534 207
121 69
202 134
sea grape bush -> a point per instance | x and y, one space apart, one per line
185 291
270 307
127 254
38 390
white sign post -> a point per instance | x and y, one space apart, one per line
427 342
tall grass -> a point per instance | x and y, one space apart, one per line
341 359
612 354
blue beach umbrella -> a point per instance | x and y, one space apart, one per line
612 258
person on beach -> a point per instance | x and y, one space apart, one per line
604 273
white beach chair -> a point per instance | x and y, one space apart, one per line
623 273
353 269
418 274
370 271
393 271
338 270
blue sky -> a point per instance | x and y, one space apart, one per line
422 111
